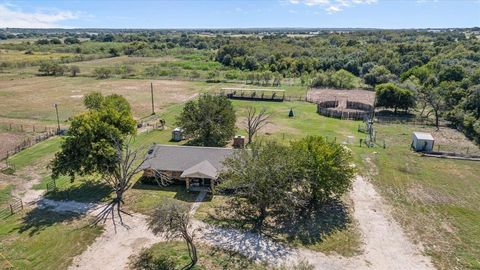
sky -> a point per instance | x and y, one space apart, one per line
388 14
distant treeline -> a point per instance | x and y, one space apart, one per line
436 71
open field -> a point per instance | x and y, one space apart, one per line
33 98
20 58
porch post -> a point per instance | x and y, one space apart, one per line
203 182
187 181
211 184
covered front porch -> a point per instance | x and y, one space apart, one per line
200 177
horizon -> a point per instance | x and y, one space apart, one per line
237 14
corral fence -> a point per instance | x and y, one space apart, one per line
353 111
15 205
14 127
28 142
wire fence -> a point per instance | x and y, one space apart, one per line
27 142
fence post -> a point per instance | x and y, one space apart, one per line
11 209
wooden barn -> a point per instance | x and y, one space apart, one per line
198 167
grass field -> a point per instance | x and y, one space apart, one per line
33 98
20 58
40 239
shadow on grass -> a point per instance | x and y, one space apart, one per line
179 189
88 191
308 227
39 219
311 226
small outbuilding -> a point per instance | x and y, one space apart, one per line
422 142
177 134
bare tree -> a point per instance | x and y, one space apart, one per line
433 99
172 218
130 162
255 121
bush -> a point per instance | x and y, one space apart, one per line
50 68
102 73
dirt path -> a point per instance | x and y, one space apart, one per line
385 244
24 188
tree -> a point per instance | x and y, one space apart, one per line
98 142
278 182
210 120
378 75
326 168
261 179
74 70
102 72
50 68
433 98
172 218
389 95
255 121
71 40
113 52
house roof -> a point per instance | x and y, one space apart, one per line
182 158
201 170
423 136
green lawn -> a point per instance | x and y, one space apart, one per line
144 198
40 239
5 193
208 258
35 153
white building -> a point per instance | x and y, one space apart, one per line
422 142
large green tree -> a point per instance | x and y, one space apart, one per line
260 178
327 168
209 120
276 182
97 143
389 95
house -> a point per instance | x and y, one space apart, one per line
422 142
198 167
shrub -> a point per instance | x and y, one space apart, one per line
102 73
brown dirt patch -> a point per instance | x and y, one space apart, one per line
358 95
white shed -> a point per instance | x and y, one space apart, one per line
177 134
422 141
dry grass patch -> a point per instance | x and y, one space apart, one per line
33 98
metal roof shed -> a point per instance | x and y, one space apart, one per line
422 141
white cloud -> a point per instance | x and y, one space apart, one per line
333 6
16 18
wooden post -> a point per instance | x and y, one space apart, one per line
11 209
187 181
151 91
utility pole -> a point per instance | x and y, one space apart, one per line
58 119
153 106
